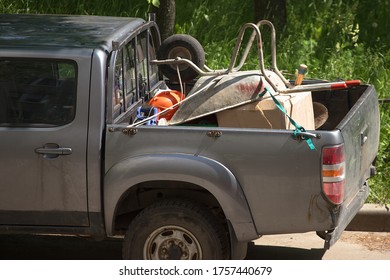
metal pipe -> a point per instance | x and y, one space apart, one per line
273 50
274 66
257 34
179 60
322 86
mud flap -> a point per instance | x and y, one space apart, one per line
238 250
347 213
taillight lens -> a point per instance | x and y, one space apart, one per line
334 191
333 155
333 173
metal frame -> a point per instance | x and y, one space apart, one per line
257 34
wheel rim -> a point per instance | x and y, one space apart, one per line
170 243
182 53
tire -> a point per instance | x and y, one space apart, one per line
184 46
175 229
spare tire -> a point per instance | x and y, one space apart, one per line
184 46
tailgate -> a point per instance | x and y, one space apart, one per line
360 130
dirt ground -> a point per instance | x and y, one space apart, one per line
378 241
353 245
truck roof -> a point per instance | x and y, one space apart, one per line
59 31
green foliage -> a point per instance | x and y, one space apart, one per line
379 184
87 7
214 25
155 3
346 39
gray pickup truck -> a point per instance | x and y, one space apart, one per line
79 157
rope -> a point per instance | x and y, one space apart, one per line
298 128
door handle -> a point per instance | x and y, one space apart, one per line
53 151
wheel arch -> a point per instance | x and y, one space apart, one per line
194 175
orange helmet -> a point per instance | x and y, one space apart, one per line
166 99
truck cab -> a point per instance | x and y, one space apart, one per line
55 102
79 158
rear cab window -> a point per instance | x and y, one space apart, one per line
134 77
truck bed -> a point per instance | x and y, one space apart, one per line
273 175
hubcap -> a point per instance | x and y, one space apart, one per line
172 243
182 53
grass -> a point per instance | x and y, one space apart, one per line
336 38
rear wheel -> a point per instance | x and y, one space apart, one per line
175 229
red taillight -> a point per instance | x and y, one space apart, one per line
334 191
333 155
333 173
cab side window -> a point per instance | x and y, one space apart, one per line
37 93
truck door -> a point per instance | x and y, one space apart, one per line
43 132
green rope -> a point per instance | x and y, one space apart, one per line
298 128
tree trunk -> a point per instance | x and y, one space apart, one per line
165 17
273 10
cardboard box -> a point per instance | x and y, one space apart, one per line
265 114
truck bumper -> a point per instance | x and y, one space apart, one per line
347 213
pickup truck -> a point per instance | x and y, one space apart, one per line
78 157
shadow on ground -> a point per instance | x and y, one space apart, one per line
58 248
73 248
263 252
